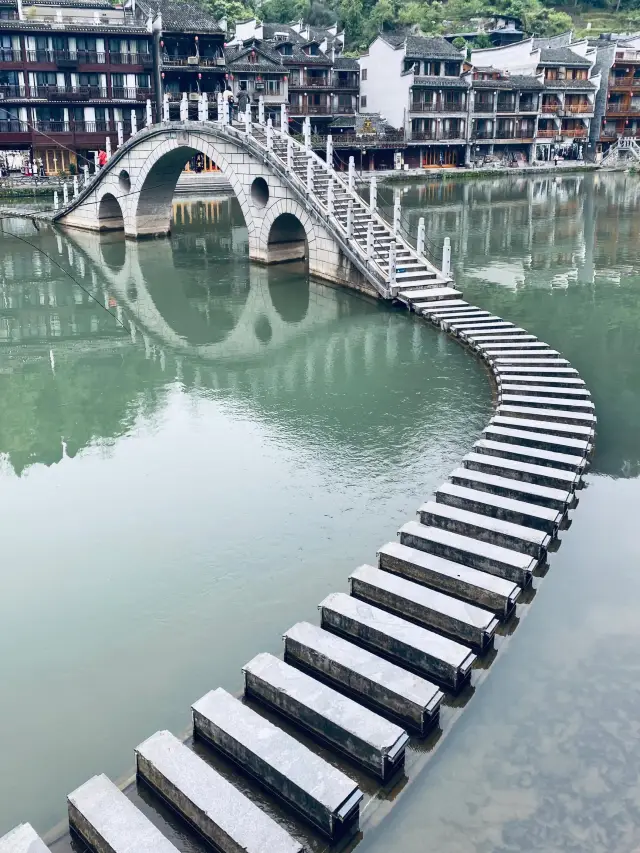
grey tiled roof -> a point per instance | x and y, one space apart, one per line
185 17
582 85
441 82
430 48
269 31
562 56
516 81
345 63
299 57
266 58
344 121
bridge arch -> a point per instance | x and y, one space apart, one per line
157 176
110 215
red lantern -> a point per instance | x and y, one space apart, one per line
195 38
163 75
199 76
161 44
226 76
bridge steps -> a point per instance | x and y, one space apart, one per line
322 794
478 554
206 800
485 528
364 736
107 822
507 370
586 433
517 512
543 475
427 607
411 646
545 402
567 417
539 440
461 581
508 487
23 839
372 680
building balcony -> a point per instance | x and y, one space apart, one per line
628 81
438 107
317 110
8 93
551 108
91 57
310 83
577 109
14 126
192 61
143 59
121 93
483 107
547 134
9 55
506 106
337 83
500 135
458 135
68 93
574 132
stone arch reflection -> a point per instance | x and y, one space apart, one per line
289 292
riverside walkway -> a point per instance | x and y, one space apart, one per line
354 689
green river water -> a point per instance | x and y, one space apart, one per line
173 500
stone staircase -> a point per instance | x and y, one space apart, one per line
625 151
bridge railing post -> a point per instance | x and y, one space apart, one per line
56 202
330 151
370 240
397 215
446 256
149 113
261 109
350 219
309 174
269 135
85 169
184 107
134 123
306 130
352 173
120 129
165 108
330 197
247 119
226 111
220 106
392 268
107 147
289 155
420 240
96 165
65 194
76 189
284 118
373 194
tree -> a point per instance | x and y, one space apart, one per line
482 41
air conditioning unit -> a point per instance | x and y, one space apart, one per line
194 96
193 60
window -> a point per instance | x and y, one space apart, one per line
88 79
143 81
363 100
286 49
273 87
363 74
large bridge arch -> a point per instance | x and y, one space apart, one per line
141 177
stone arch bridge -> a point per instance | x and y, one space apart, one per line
294 203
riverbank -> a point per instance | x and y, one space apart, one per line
464 173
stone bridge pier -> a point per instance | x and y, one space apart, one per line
134 193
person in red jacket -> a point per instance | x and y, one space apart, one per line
102 158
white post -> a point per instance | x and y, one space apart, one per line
269 135
373 194
306 129
96 165
330 151
261 109
220 106
370 240
392 267
397 213
56 203
446 256
330 196
420 240
107 147
85 169
289 154
247 119
309 175
65 195
184 107
226 111
149 113
134 123
350 219
284 119
75 186
165 108
352 173
205 106
120 134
